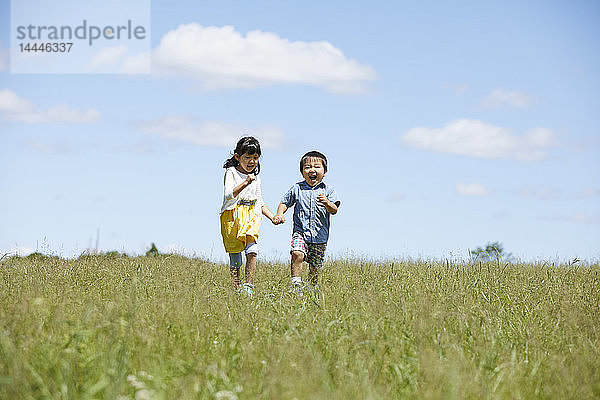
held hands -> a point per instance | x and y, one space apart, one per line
278 219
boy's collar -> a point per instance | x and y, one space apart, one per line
303 182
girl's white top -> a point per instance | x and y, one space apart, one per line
233 178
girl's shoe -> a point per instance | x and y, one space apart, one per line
296 289
248 289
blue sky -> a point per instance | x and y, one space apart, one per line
447 125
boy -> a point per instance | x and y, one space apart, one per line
314 201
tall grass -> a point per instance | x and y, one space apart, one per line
170 327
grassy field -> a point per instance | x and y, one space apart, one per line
170 327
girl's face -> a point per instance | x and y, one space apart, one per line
247 162
313 171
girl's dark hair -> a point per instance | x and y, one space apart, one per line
313 154
249 145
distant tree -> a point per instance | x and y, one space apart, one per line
493 251
153 251
114 254
35 256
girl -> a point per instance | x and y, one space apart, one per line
241 209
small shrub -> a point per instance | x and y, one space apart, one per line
153 252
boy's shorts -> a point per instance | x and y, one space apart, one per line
314 253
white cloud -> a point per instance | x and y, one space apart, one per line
577 217
107 57
396 197
15 108
10 102
457 88
501 214
510 98
139 147
589 193
209 133
137 64
472 189
48 148
221 57
544 193
475 138
117 59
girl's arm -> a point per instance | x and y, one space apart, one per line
230 191
263 207
267 213
243 185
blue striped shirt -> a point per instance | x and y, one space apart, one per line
310 217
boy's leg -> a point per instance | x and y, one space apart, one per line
298 252
296 271
296 264
315 257
313 275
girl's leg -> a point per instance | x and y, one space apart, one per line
235 262
235 276
250 267
250 262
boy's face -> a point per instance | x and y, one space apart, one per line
313 171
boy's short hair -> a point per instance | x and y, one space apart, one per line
313 154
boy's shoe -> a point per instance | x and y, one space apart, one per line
296 289
248 289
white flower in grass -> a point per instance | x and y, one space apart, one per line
141 393
144 394
225 395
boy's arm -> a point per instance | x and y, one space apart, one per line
279 218
332 208
281 209
287 201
